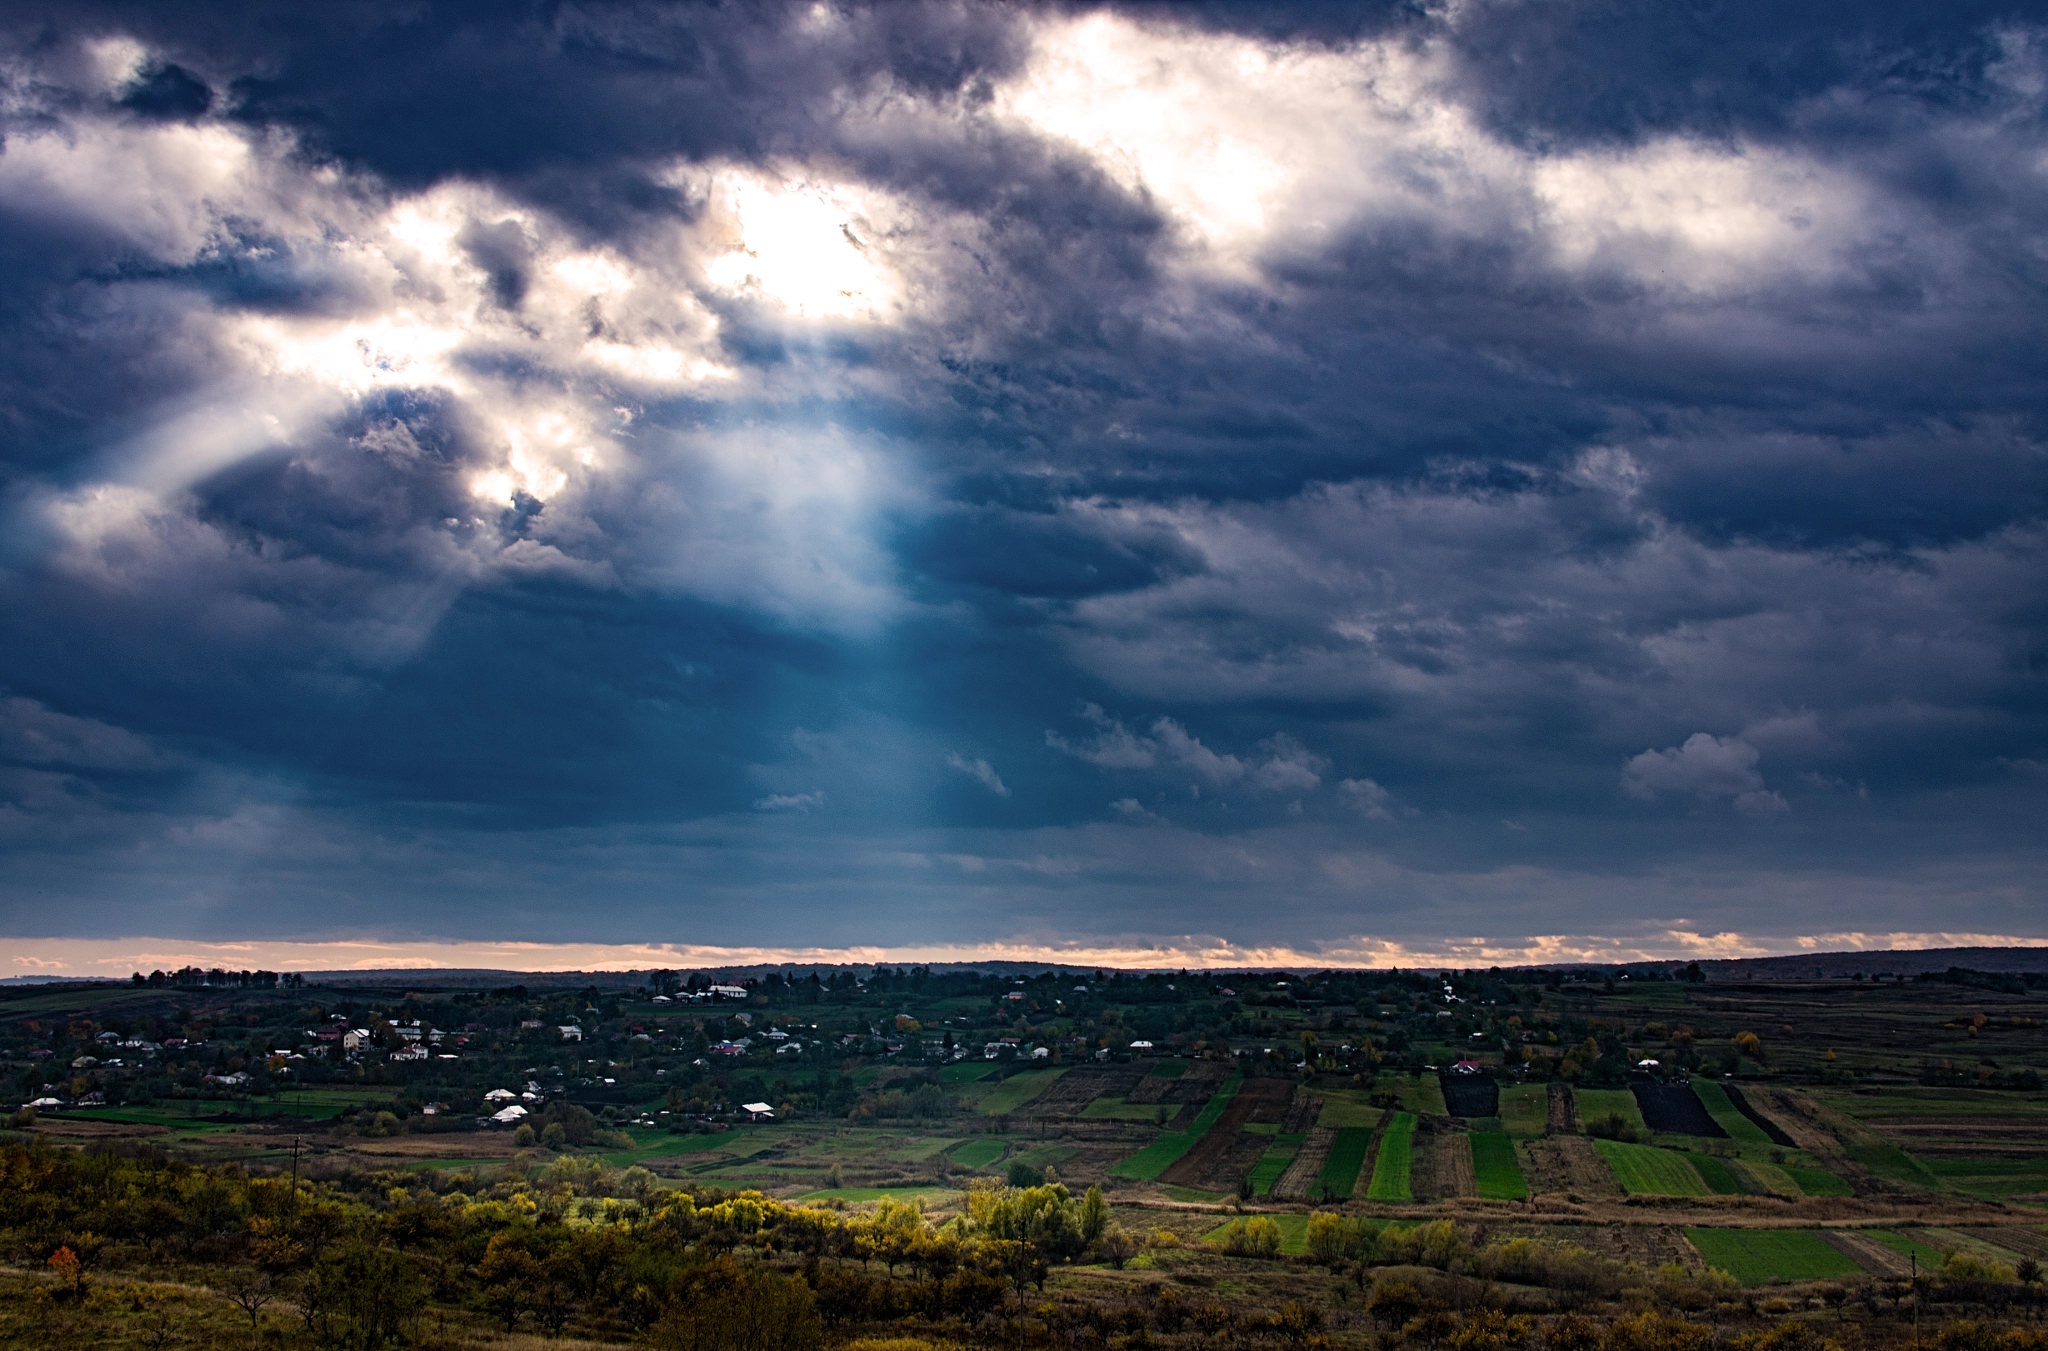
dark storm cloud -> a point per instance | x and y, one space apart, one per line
1517 470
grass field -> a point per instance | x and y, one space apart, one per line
1422 1094
978 1153
1293 1233
1155 1158
967 1072
1016 1091
1645 1170
1818 1182
1046 1156
1390 1169
930 1197
1347 1107
660 1145
1170 1069
1274 1162
1739 1127
1929 1257
1494 1165
1116 1109
1525 1109
1992 1179
1891 1163
1719 1177
1760 1256
1592 1104
1341 1167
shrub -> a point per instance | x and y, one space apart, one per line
523 1137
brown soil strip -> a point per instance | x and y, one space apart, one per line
1590 1175
1301 1115
2026 1242
1867 1253
1454 1176
1563 1118
1208 1152
1298 1183
1422 1163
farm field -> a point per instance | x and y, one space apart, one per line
1818 1181
978 1153
1525 1109
1148 1163
1339 1178
1116 1109
1645 1170
1762 1256
1348 1107
1274 1162
1930 1258
1016 1091
1494 1164
1293 1233
1594 1104
1390 1169
1737 1126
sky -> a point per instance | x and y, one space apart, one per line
567 484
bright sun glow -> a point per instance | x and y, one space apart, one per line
803 247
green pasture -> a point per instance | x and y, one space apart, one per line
1274 1162
1720 1178
1818 1182
1645 1170
1191 1195
1739 1127
966 1072
1762 1256
1148 1163
918 1151
1525 1109
1347 1107
1172 1068
1891 1163
1390 1169
1017 1090
648 1145
1993 1179
1595 1104
1494 1164
978 1153
1422 1094
1766 1179
1346 1159
1293 1233
1046 1156
1116 1109
929 1197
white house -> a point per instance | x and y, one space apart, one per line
355 1039
758 1111
570 1032
509 1116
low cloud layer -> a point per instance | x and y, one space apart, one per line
956 474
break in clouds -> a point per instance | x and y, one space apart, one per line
935 475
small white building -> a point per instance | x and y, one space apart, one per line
509 1116
758 1111
500 1095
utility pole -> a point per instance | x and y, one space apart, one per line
292 1215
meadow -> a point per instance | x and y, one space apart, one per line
1390 1168
1494 1166
1765 1256
1645 1170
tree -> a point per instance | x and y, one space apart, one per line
1330 1238
362 1296
1119 1247
1394 1303
723 1306
1749 1044
249 1291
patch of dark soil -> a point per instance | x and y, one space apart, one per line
1471 1095
1674 1109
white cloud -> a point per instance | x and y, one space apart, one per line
1367 798
790 802
1290 767
981 771
1707 766
33 734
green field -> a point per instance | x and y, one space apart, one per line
978 1153
1293 1233
1046 1156
1891 1163
1719 1177
1421 1094
917 1151
930 1197
1390 1169
967 1072
1170 1069
1818 1182
1992 1179
1274 1162
660 1145
1347 1107
1017 1090
1494 1165
1739 1127
1525 1109
1592 1104
1148 1163
1116 1109
1760 1256
1645 1170
1929 1258
1339 1178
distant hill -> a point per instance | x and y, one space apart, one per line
1906 962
